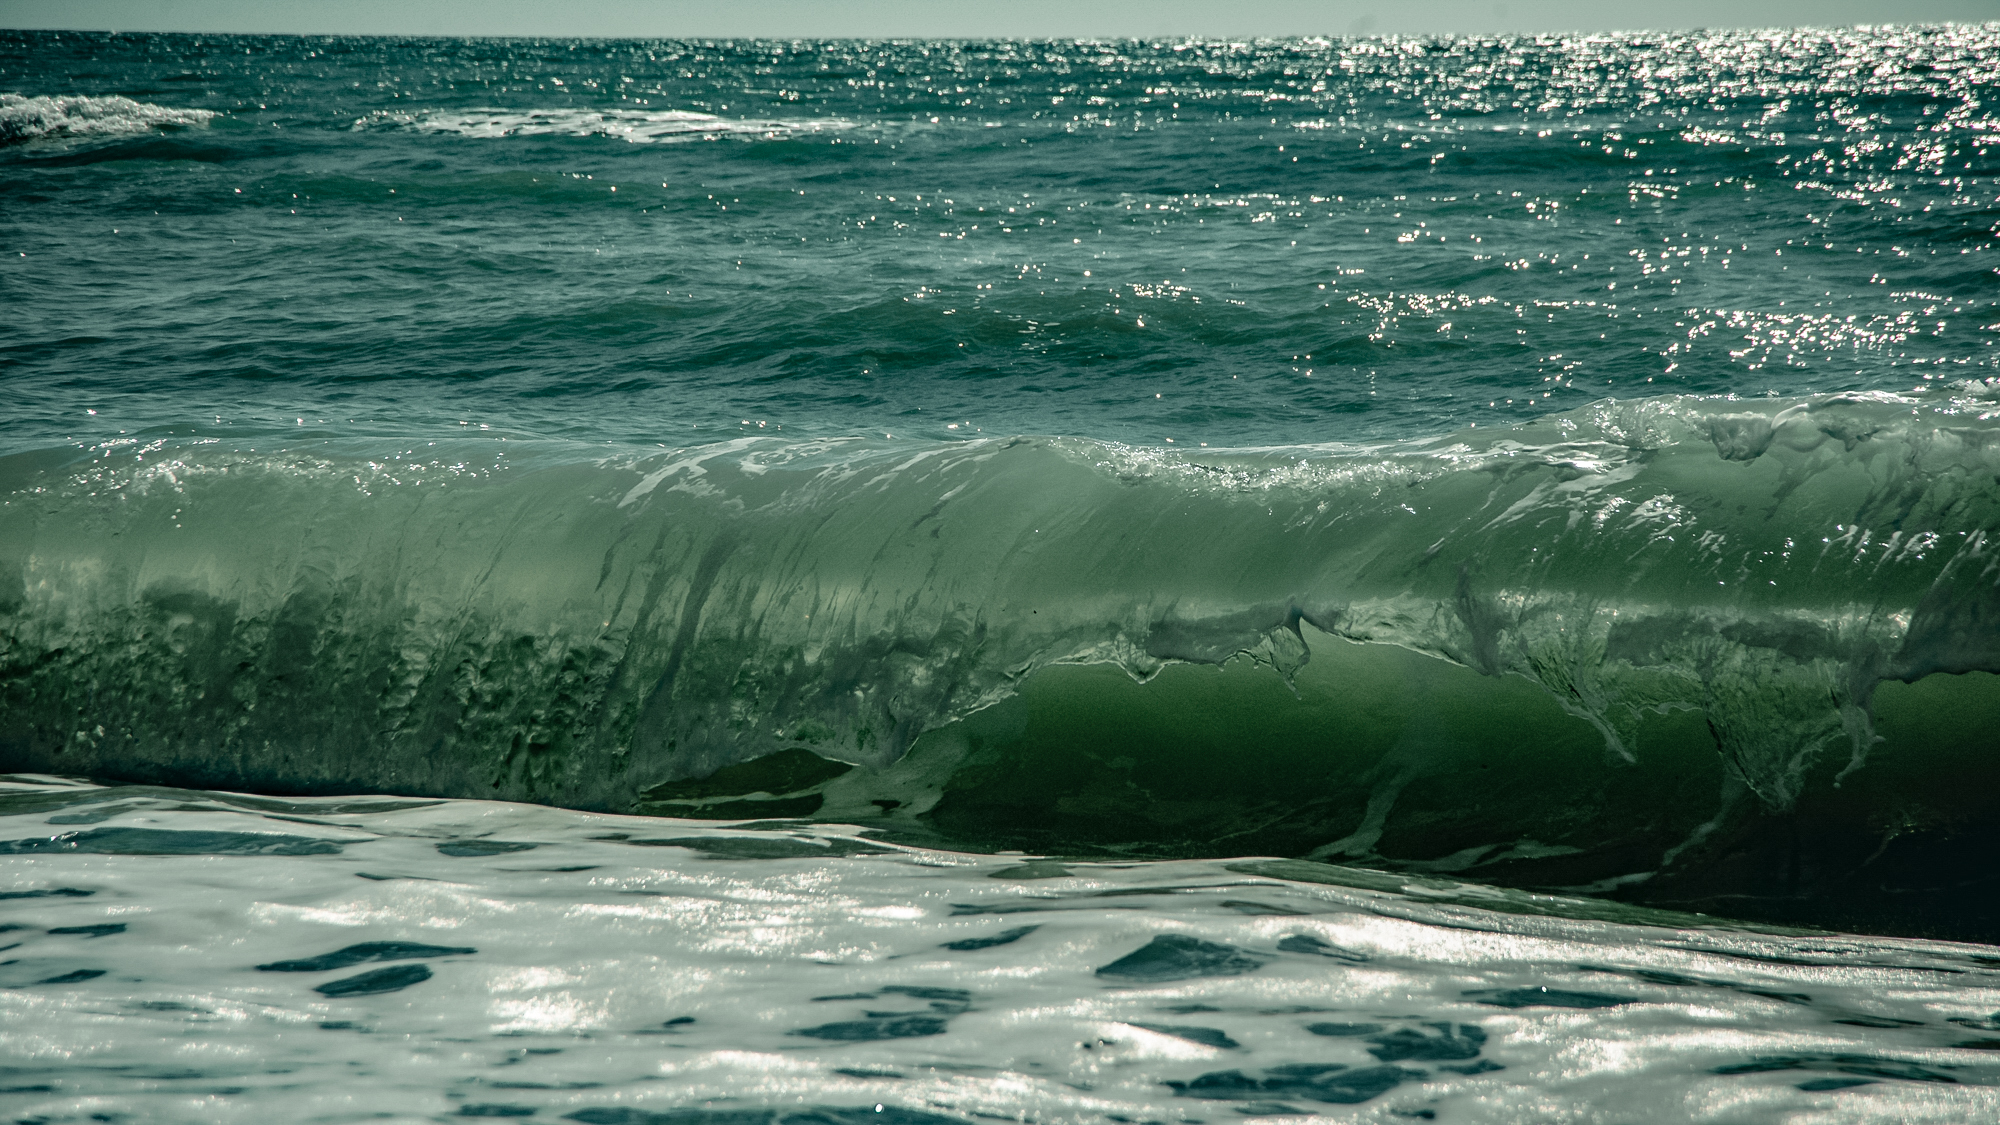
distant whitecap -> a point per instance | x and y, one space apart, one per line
636 126
43 118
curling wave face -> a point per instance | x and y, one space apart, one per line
1701 652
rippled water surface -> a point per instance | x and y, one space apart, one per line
188 956
1273 241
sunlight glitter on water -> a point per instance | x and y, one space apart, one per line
630 969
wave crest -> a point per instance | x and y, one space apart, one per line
25 118
1685 648
634 125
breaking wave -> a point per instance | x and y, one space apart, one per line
634 125
1694 651
41 118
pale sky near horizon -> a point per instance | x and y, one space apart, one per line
962 18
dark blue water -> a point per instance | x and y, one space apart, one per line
1234 243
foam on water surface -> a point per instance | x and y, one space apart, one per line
636 126
595 981
53 118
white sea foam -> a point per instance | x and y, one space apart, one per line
183 956
634 125
27 119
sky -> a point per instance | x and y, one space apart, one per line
962 18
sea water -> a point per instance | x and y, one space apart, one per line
1069 581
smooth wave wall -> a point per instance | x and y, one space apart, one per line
1695 603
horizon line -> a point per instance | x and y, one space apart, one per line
1190 37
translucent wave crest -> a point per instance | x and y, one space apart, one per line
1648 630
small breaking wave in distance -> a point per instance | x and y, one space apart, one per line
44 118
635 125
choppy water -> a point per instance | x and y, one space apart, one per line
1563 464
1289 241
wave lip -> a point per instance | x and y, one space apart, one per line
24 118
1681 649
634 125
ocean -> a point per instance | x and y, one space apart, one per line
917 582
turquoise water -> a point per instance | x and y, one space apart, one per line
1409 486
1255 243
